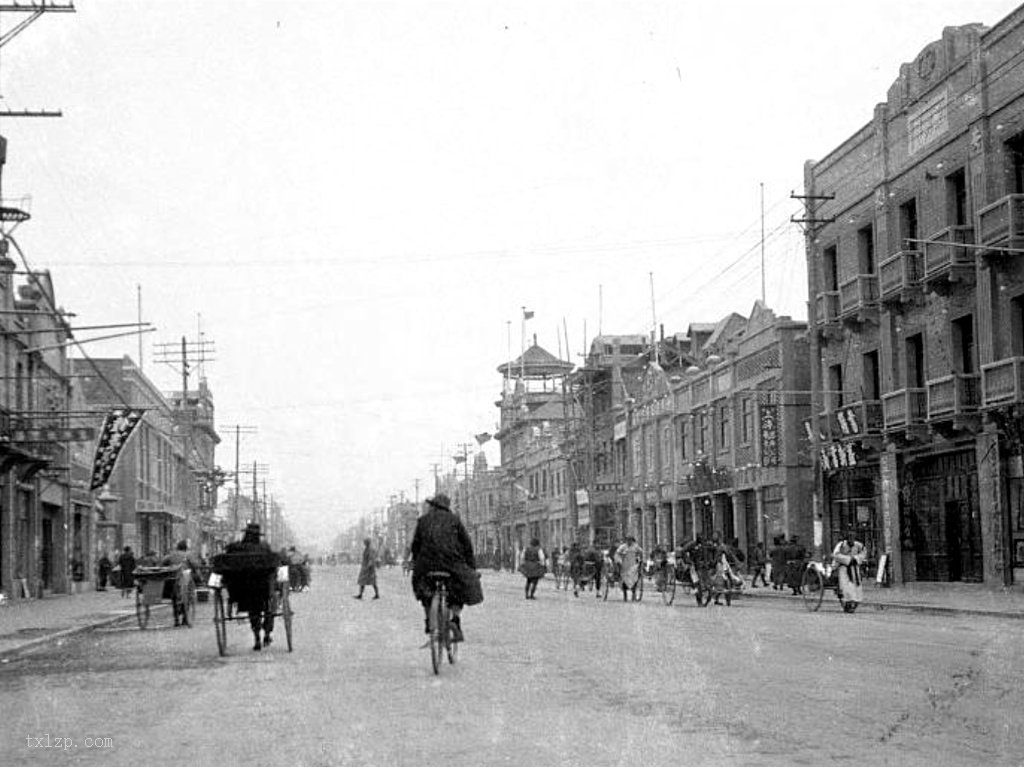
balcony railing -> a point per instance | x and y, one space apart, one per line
953 395
1002 223
1002 382
858 294
904 407
898 274
944 257
859 418
827 306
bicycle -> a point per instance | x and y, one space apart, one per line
440 622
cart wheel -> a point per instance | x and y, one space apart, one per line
813 587
220 622
606 585
141 609
668 594
286 614
638 592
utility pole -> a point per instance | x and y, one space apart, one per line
36 10
197 351
239 431
437 481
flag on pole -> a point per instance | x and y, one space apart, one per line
482 438
117 428
459 458
527 315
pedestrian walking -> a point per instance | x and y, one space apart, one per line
368 570
575 566
127 564
103 568
850 554
628 556
533 567
758 561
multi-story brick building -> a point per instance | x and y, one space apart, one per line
156 486
714 436
538 498
917 293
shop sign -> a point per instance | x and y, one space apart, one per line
838 456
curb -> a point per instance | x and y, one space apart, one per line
923 609
31 644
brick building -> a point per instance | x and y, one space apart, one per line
916 286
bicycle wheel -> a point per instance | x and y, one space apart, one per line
141 609
220 622
286 615
668 594
813 587
451 646
436 637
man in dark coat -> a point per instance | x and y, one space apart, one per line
442 544
254 591
127 564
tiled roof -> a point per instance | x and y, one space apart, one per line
536 362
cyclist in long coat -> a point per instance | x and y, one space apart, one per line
441 543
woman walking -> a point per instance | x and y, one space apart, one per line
368 570
533 567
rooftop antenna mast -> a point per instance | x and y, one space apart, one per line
193 353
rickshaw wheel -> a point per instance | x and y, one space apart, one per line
286 614
220 622
605 587
141 609
668 594
812 585
638 592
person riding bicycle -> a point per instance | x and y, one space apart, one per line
441 544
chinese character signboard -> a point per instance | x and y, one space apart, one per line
117 428
769 435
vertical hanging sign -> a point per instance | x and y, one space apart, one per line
769 435
117 428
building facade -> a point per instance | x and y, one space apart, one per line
916 286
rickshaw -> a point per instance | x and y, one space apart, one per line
238 581
159 583
819 577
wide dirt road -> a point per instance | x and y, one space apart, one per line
556 681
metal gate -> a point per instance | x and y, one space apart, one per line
940 518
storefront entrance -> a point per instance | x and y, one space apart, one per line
941 524
853 503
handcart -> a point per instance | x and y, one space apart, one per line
243 583
156 584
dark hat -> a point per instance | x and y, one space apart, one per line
253 528
440 501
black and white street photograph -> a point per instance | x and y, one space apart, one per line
471 383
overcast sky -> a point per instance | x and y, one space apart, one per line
354 201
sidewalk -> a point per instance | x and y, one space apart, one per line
925 597
26 623
920 597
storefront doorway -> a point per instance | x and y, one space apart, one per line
941 530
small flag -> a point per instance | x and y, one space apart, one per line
482 438
459 459
527 315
